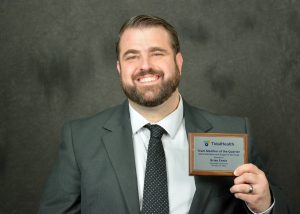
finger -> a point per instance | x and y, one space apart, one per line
242 188
249 198
246 178
249 167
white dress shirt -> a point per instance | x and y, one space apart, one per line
181 186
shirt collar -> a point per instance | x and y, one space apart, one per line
170 123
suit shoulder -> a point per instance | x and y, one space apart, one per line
220 117
96 120
224 123
212 115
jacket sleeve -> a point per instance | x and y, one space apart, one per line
62 192
280 205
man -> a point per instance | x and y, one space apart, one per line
103 165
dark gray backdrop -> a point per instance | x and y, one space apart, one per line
57 62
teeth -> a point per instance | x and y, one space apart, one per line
148 79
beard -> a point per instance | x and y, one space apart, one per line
159 93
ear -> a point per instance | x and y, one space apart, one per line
179 61
118 67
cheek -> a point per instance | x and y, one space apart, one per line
128 69
169 69
126 76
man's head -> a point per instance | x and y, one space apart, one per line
144 21
149 60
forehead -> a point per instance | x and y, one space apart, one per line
145 37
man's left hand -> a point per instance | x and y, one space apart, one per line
252 186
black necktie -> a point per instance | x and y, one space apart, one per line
155 196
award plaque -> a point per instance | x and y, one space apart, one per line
217 153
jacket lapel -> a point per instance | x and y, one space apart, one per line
195 122
119 146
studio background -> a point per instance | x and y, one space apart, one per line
57 63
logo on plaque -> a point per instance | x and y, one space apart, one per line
217 153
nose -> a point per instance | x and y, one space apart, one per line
145 63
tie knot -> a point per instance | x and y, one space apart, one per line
155 130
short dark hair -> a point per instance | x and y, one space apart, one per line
141 21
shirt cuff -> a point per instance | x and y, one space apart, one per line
268 211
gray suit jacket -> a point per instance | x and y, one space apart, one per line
95 171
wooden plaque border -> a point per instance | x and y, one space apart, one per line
193 171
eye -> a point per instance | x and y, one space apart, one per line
157 53
130 57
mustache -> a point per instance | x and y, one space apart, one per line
149 71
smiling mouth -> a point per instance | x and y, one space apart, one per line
148 78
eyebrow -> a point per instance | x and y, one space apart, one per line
134 51
158 49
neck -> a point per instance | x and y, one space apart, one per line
157 113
